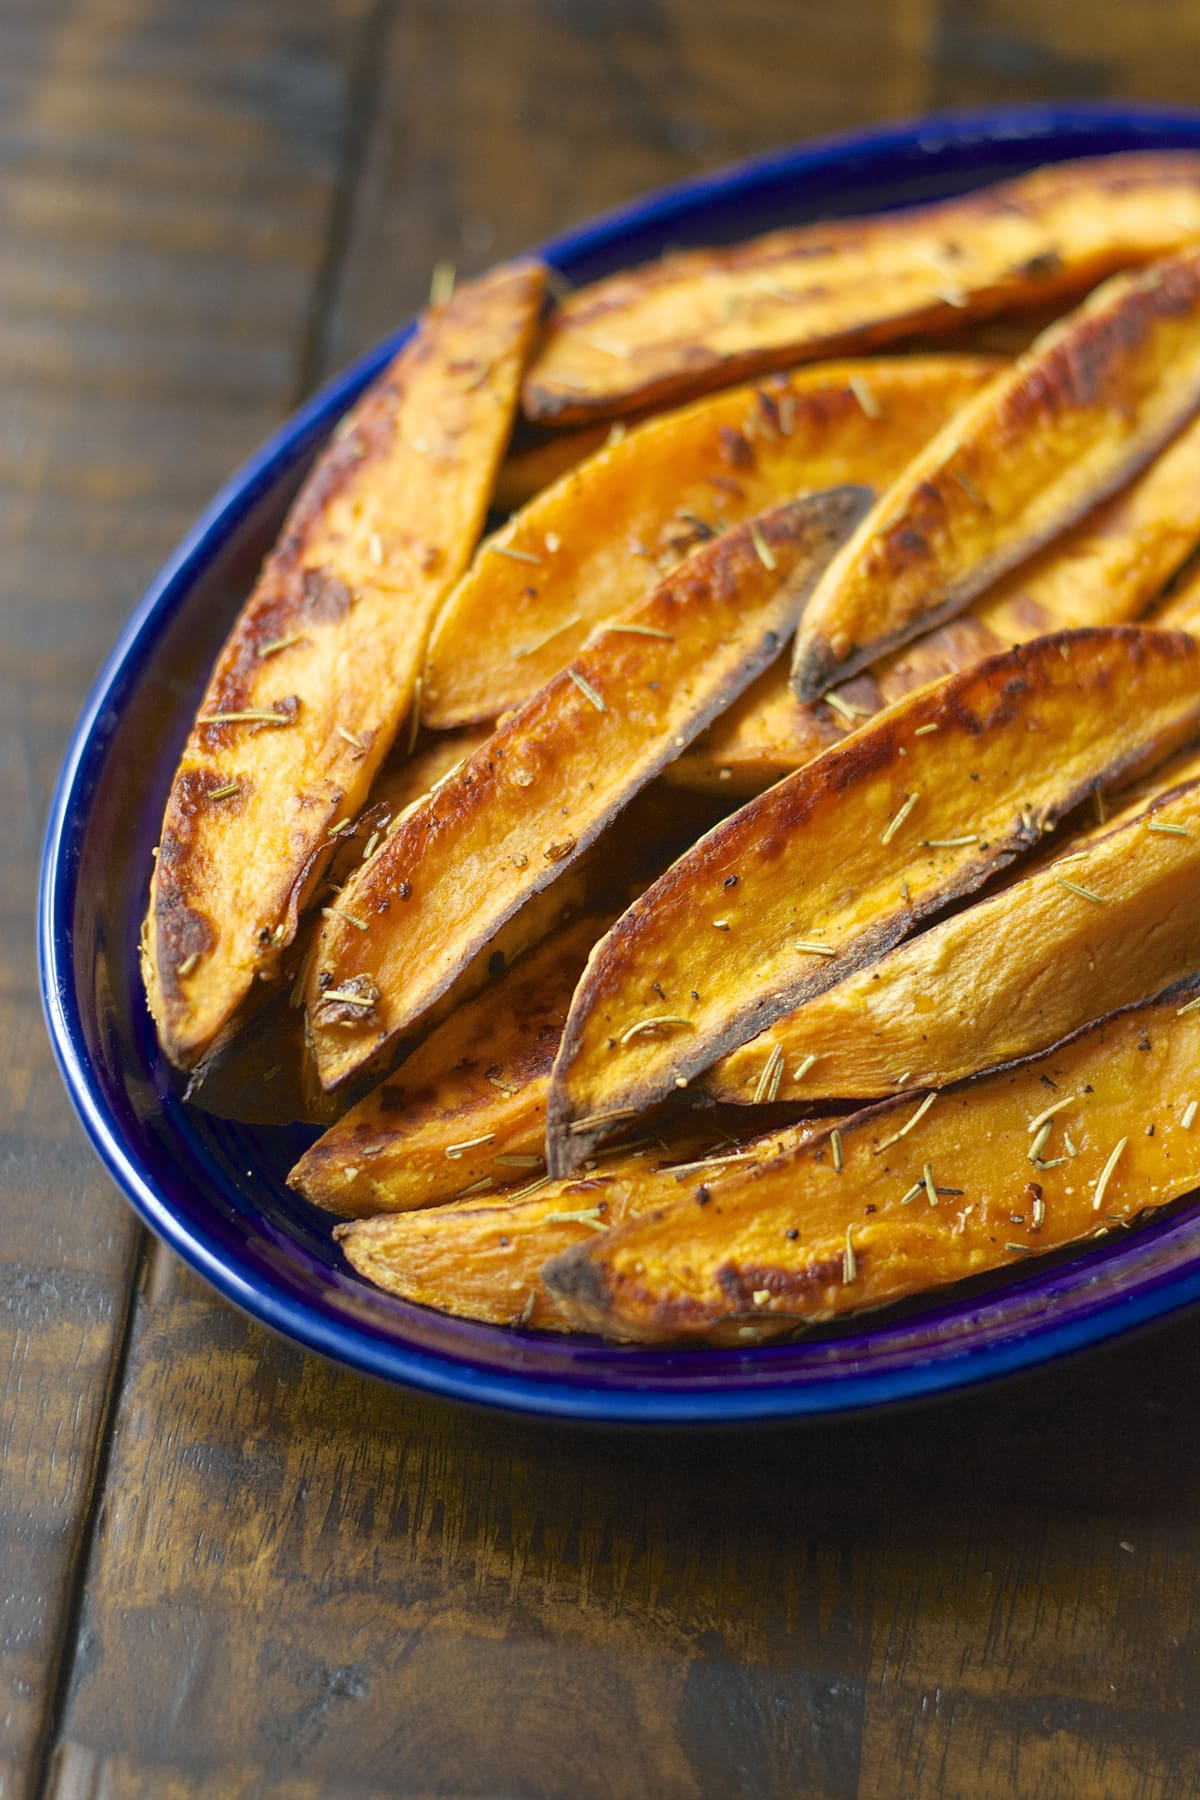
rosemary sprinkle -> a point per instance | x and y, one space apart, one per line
904 1130
1189 1115
839 1161
772 1074
849 1262
591 1216
1036 1124
1191 1006
801 1069
815 949
587 690
1106 1172
927 1184
652 1025
336 912
1168 830
283 643
1040 1140
540 643
846 709
441 284
762 549
223 793
515 555
892 827
253 715
454 1151
865 397
650 631
578 1126
1073 887
924 730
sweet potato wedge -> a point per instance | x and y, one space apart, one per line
1065 427
603 537
1108 921
1107 570
481 1259
823 873
543 787
469 1104
700 320
978 1183
320 667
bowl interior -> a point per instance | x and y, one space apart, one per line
216 1191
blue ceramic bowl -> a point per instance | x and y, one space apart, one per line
215 1192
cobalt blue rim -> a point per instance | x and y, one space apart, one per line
746 1391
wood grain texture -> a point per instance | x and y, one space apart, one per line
300 1586
154 312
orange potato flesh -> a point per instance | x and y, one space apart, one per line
1105 571
794 1241
1012 974
1069 424
482 1259
700 320
602 538
823 873
325 655
542 788
473 1092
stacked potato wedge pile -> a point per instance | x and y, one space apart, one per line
758 878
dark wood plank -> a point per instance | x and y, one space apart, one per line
305 1586
328 1589
499 124
154 305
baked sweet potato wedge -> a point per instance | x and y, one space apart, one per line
1065 427
602 538
321 665
482 1259
1107 570
1108 921
699 320
1017 1163
531 800
468 1105
823 873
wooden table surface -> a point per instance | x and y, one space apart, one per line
225 1569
